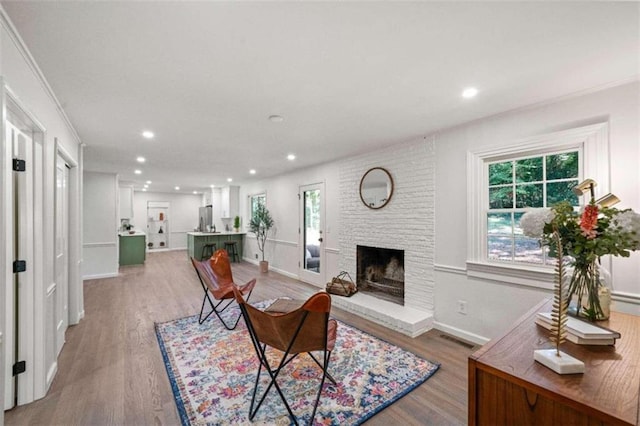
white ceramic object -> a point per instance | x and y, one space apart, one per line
563 364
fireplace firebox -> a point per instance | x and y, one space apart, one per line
380 272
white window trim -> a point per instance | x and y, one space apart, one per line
249 204
592 140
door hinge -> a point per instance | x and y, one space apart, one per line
19 165
19 266
19 367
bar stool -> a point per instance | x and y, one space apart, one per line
232 250
208 250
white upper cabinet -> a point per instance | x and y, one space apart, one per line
229 201
126 202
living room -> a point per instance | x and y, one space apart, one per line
451 284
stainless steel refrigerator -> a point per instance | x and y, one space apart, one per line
206 219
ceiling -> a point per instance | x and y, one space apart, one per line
347 77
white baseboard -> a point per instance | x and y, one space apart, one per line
99 276
271 268
51 374
465 335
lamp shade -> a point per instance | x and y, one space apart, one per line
608 200
582 187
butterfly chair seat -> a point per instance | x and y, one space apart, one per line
303 330
216 280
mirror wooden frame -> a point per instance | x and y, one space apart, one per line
390 182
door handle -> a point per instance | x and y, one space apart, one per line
320 239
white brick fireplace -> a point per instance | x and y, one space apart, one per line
405 223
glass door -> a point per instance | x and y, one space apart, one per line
312 263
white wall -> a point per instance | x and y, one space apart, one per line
183 214
22 78
492 306
101 222
282 249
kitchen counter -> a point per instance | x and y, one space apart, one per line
127 234
196 241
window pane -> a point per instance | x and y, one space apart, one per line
562 166
528 250
499 223
500 248
517 228
501 198
561 191
529 170
529 195
500 173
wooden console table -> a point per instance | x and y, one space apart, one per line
507 387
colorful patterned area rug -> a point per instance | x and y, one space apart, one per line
212 372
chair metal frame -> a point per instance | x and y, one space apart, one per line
290 352
220 286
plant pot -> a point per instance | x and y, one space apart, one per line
264 266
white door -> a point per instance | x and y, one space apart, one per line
312 264
20 289
62 249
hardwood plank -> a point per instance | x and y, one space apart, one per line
111 371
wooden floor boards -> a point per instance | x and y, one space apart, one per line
110 371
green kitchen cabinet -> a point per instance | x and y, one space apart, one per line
132 249
196 240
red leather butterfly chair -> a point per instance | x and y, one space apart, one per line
303 330
216 279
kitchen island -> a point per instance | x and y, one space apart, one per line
132 247
196 240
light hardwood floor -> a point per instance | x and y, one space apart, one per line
110 371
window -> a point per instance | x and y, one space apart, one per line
517 184
503 181
256 200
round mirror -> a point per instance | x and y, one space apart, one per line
376 188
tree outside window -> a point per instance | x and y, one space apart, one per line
517 184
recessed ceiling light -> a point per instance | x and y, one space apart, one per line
177 188
229 180
252 171
195 192
146 186
144 189
291 157
147 134
140 159
211 186
138 172
469 92
276 118
148 182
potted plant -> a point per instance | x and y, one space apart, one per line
236 223
261 223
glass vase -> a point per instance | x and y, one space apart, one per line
589 292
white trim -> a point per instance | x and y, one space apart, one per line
100 244
5 20
271 268
51 374
462 334
283 242
450 269
51 289
97 277
631 298
512 274
593 140
332 250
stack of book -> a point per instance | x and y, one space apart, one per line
581 332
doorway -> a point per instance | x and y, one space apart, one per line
312 262
61 301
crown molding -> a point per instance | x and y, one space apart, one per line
6 23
